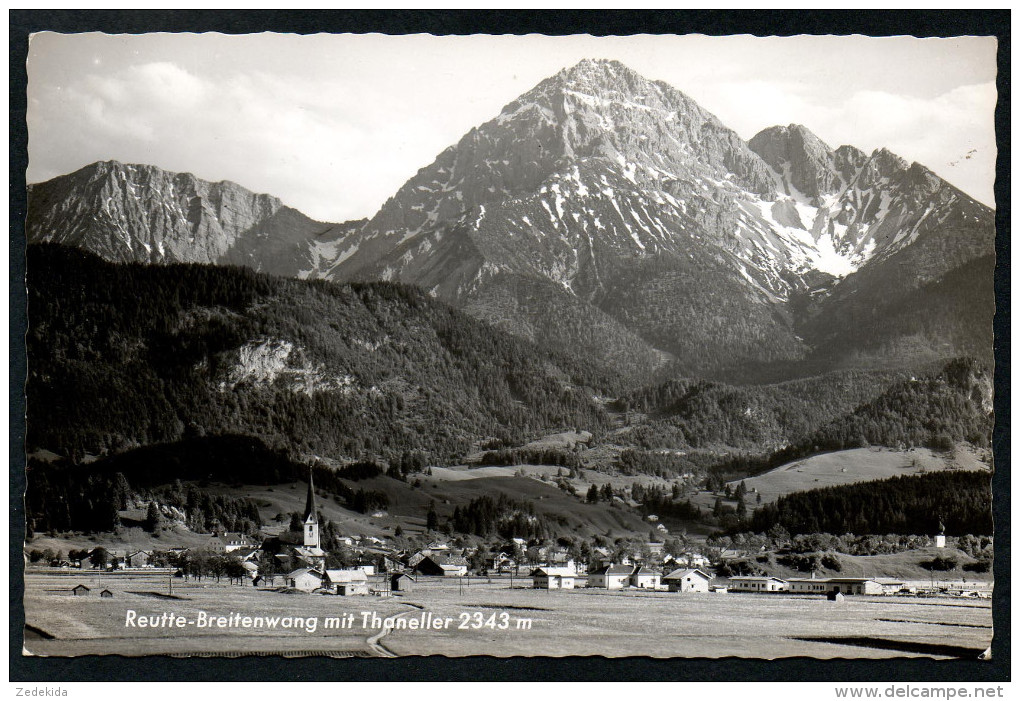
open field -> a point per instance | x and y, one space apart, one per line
852 466
497 620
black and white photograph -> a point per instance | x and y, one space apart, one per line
368 345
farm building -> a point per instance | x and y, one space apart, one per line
304 579
611 577
553 578
401 581
391 564
757 584
80 590
106 594
414 558
439 566
645 578
139 558
687 580
346 582
841 585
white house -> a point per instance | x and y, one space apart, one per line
304 579
610 577
346 582
687 580
236 541
453 570
553 578
645 578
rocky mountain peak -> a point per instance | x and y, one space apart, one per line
881 168
848 160
599 118
597 72
804 162
141 213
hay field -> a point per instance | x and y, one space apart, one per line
481 616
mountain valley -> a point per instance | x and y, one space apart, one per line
604 257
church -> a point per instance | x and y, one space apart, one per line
311 552
293 551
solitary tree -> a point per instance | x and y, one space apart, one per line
432 518
152 518
717 509
99 558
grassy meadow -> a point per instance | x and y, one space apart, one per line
557 623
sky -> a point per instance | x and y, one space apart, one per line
333 125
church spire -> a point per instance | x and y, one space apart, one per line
311 532
310 500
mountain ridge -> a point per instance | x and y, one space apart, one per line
621 199
141 213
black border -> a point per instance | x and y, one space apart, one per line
559 22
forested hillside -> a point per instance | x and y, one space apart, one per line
62 496
936 410
961 501
698 413
129 355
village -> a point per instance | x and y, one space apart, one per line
294 561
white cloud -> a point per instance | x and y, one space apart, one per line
334 125
938 132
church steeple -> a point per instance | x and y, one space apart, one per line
311 526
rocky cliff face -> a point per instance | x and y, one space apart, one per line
804 162
138 213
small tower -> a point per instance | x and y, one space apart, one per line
311 531
940 539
